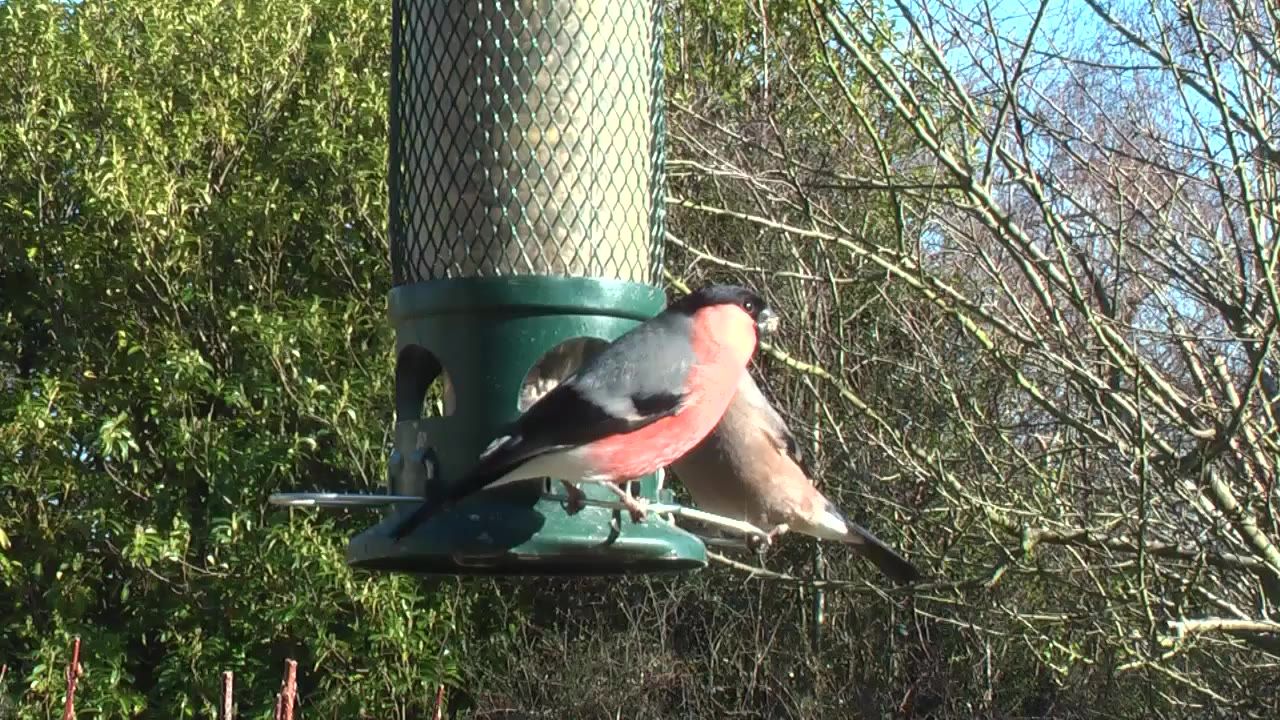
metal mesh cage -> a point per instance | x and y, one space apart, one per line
527 138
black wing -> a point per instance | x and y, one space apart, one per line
565 417
795 452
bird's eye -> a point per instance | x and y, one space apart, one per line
749 306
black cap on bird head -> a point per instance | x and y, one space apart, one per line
750 302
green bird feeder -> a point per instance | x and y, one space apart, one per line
526 225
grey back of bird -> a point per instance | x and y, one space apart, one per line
651 360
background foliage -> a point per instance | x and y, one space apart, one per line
1026 255
194 269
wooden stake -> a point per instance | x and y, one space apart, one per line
73 675
226 711
290 692
439 713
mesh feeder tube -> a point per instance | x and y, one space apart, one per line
526 225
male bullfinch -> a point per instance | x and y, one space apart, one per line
641 402
750 468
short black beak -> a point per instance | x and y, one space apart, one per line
767 322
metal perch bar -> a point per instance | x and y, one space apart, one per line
677 510
324 499
371 501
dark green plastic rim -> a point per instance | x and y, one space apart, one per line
532 294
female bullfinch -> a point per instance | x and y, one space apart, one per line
750 468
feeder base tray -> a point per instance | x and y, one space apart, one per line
485 537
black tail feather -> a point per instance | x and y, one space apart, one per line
496 463
889 562
420 514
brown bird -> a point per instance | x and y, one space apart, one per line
750 468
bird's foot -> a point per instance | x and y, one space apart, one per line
758 544
638 507
577 499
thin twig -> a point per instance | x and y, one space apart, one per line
1207 625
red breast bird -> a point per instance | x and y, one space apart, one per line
750 468
641 402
